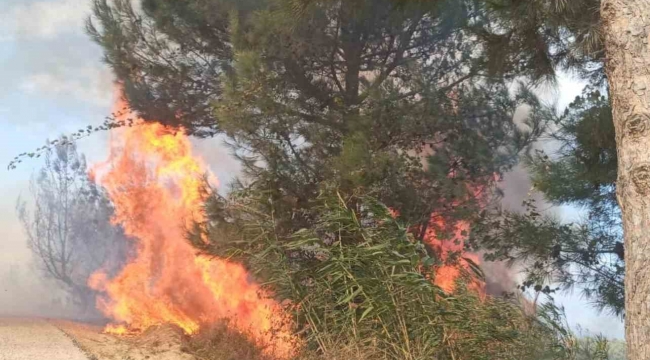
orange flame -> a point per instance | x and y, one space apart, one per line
447 274
154 181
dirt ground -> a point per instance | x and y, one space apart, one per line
30 338
158 343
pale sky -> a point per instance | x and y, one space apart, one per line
54 82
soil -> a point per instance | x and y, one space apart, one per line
157 343
29 339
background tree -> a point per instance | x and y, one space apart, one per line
68 228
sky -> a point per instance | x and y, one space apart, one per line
54 82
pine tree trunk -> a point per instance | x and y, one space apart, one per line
626 27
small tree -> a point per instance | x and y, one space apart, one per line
69 230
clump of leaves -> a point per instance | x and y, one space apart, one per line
591 346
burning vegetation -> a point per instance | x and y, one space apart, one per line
332 295
155 183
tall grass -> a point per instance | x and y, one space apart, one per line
358 286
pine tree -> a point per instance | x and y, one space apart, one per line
613 34
67 223
581 173
350 93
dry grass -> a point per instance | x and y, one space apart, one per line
159 343
221 343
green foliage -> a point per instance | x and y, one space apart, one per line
69 140
584 169
598 347
582 172
537 37
345 92
356 276
617 350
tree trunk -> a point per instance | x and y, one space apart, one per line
626 27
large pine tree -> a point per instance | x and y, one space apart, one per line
345 93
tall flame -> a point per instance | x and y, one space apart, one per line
154 181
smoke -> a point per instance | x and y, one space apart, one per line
23 292
516 187
219 160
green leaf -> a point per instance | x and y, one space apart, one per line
351 296
366 313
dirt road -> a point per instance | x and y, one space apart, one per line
35 339
41 339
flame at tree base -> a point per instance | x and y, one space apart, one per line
446 275
155 182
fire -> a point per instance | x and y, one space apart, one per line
154 181
117 329
447 274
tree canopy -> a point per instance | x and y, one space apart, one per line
351 93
